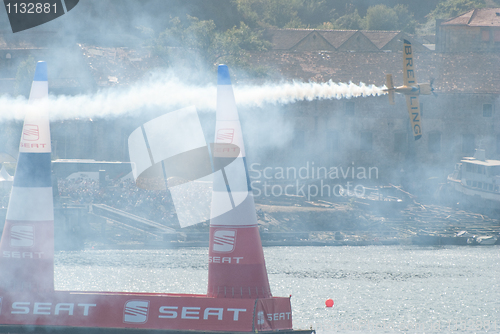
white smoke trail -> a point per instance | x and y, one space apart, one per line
171 93
300 91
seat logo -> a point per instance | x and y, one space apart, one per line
136 311
31 132
224 241
22 236
225 136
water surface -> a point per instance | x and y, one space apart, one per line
404 288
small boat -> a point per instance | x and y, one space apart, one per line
486 240
477 177
482 240
463 234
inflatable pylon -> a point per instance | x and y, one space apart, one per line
29 304
27 244
236 266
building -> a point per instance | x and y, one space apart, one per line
477 30
358 131
68 72
369 131
297 40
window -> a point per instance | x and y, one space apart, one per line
468 144
400 142
487 110
494 171
485 35
332 141
366 141
349 108
434 142
298 140
8 60
421 110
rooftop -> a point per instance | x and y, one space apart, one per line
484 17
337 40
466 72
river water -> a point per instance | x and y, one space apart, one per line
378 289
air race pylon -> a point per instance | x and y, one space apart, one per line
236 266
27 244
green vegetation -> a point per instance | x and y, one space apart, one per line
408 16
335 14
351 21
276 13
224 33
451 8
24 76
203 45
380 17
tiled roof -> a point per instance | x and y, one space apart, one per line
337 37
380 38
484 17
285 39
358 42
347 40
452 72
464 72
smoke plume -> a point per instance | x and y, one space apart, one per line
169 93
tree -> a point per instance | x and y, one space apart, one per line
230 46
200 35
275 13
450 8
351 21
381 17
406 22
326 26
313 11
199 44
173 35
24 76
249 39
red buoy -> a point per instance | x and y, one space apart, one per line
329 302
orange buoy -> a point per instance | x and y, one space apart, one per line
329 302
